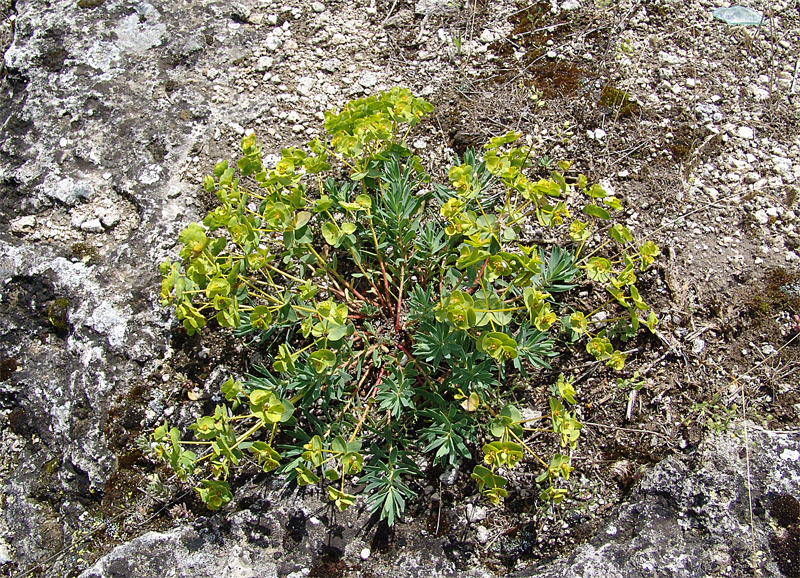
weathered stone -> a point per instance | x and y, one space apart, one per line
183 553
691 515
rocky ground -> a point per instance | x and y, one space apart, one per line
113 111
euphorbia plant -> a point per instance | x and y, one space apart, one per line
393 309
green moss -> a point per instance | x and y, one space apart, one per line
618 101
57 314
83 252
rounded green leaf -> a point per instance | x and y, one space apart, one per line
322 359
598 269
261 317
595 211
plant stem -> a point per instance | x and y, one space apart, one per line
399 295
383 268
529 450
338 277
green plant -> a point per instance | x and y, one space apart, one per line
458 42
714 414
394 310
635 382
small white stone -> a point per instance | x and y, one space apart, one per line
92 226
792 455
745 132
368 79
483 535
622 174
487 36
108 217
5 558
298 128
698 345
272 43
304 85
599 134
365 552
318 7
570 5
264 63
449 476
761 216
23 224
551 54
782 166
475 513
330 64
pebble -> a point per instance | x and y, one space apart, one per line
551 54
762 217
272 43
365 552
108 217
449 476
745 132
23 224
368 79
318 7
751 177
487 36
475 513
5 558
483 535
698 345
783 166
304 85
330 64
92 226
264 63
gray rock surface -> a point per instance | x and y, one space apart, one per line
182 553
690 516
